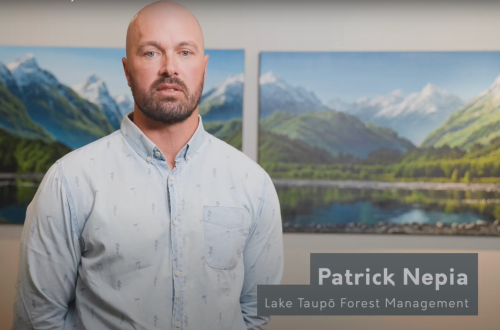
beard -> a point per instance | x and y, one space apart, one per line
165 109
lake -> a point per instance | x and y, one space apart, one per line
306 205
15 196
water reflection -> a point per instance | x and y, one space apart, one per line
322 205
15 196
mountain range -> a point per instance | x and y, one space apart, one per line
224 101
35 105
94 90
432 117
52 107
333 132
277 94
478 122
124 103
413 116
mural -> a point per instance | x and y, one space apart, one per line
383 142
54 100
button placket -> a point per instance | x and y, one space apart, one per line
176 238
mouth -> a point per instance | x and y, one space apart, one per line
168 89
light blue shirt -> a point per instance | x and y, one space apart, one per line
114 239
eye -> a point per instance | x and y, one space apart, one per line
151 52
185 53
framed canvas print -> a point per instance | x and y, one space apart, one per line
383 142
54 100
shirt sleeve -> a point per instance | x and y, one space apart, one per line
263 256
49 256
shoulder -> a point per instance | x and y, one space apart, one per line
249 178
83 168
79 160
238 161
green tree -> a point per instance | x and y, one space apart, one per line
467 177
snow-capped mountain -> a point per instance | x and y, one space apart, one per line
13 115
277 94
366 108
25 71
477 122
125 104
492 93
27 74
430 101
94 90
54 106
228 91
5 75
413 116
339 105
224 101
8 80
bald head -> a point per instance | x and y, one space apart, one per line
162 17
166 62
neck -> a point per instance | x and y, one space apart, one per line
169 138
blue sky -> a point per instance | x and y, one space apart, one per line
73 65
352 75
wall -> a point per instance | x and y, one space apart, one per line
296 26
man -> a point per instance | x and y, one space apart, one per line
160 224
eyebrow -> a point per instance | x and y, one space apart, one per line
188 43
149 43
158 44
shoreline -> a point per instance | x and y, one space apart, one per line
13 176
384 185
478 228
348 184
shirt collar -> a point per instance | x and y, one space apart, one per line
148 150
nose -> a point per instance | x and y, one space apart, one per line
169 66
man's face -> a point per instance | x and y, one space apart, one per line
166 66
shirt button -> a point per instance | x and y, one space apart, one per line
157 154
176 222
188 157
171 178
148 159
178 324
177 272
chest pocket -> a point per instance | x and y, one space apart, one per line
225 232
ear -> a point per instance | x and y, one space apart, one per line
124 62
206 65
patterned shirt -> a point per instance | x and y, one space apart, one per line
114 239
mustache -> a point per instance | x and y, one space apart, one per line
170 80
